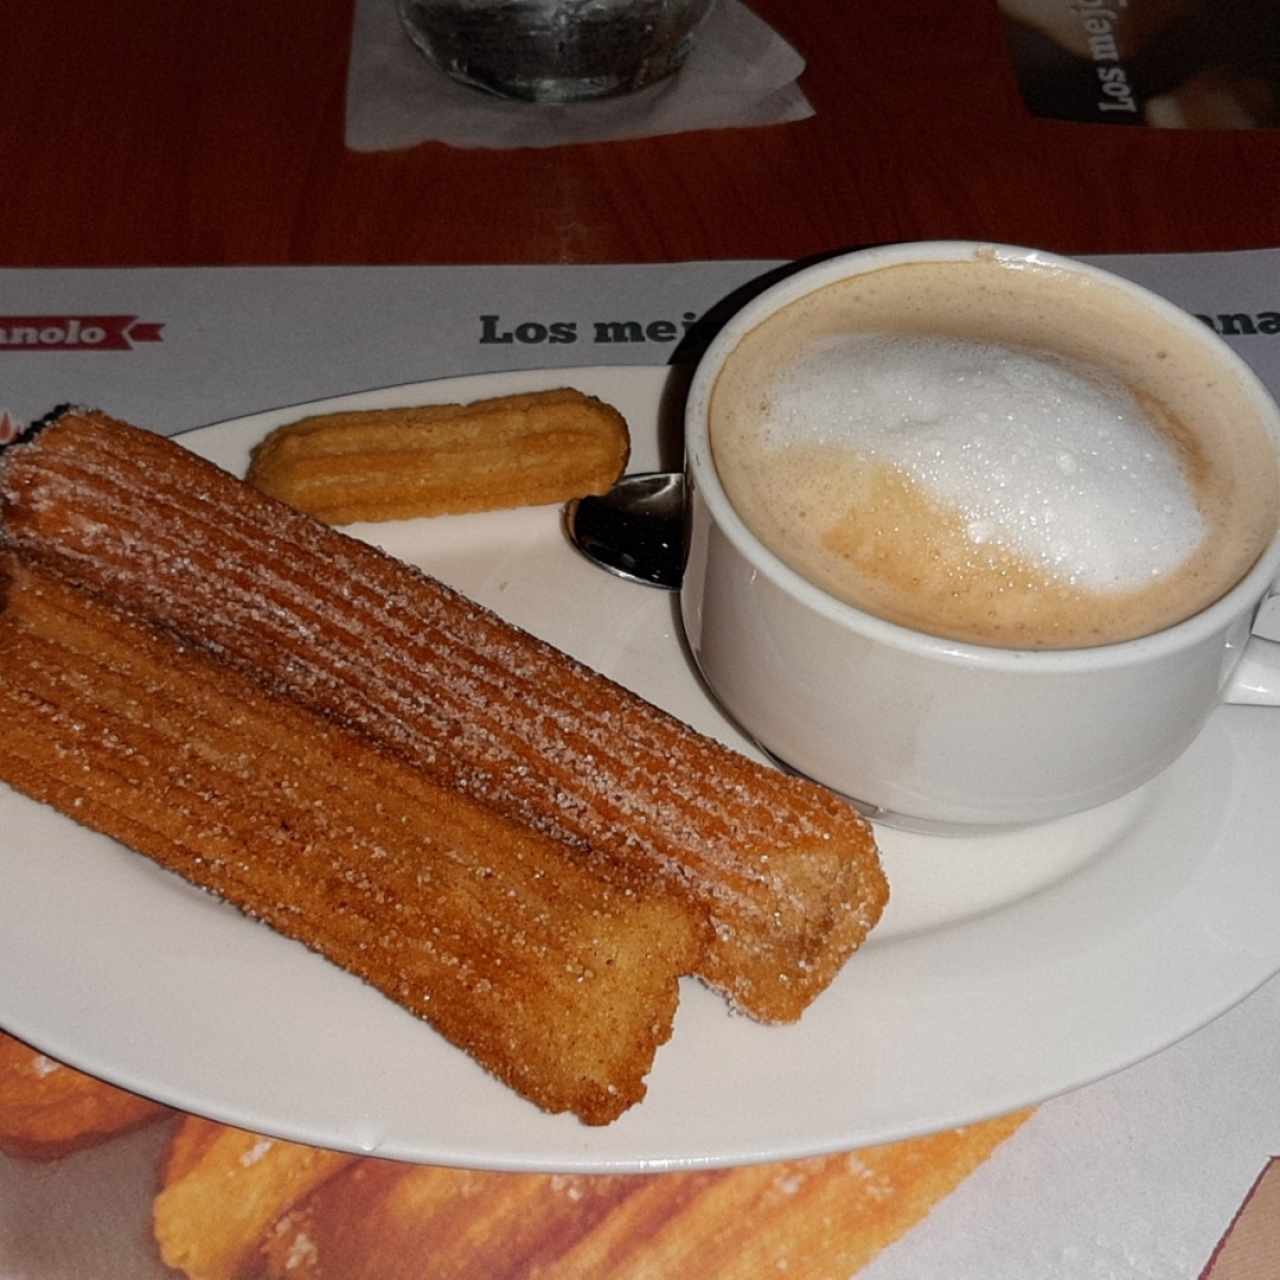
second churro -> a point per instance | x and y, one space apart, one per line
392 464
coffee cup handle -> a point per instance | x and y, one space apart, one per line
1256 678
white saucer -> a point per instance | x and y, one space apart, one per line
1007 969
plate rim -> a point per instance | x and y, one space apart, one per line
574 1148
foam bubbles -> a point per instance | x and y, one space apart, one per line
1039 456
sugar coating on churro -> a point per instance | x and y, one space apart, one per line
391 464
787 875
558 983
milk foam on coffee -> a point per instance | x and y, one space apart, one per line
1001 453
1047 460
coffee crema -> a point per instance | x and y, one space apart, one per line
994 452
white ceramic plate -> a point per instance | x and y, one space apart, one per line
1007 968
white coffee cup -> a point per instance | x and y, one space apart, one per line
934 733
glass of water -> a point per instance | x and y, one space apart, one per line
555 50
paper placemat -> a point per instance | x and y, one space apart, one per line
1165 1171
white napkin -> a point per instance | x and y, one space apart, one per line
740 74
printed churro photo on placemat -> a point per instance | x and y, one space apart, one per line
225 1204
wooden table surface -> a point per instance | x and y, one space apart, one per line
164 133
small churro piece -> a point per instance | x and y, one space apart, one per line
813 1219
48 1110
392 464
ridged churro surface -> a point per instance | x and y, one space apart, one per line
786 874
553 980
390 464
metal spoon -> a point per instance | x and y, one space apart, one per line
636 530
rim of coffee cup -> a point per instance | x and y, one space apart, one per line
706 481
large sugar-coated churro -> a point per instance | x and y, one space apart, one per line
786 875
389 464
556 982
